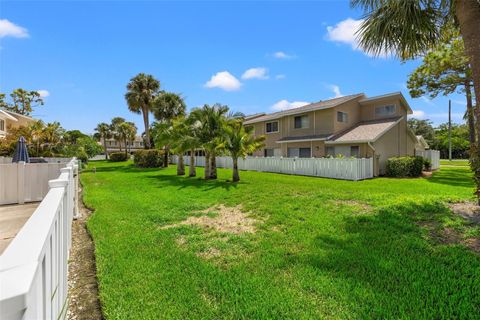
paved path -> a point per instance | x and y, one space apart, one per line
12 219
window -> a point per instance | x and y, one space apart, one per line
268 152
271 127
385 110
342 116
2 125
301 122
330 151
354 151
299 152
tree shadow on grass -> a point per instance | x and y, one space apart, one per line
183 182
453 177
389 268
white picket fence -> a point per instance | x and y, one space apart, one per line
346 169
33 268
432 155
6 160
26 182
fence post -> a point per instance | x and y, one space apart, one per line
21 182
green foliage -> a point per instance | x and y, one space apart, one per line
460 142
321 249
405 166
427 164
118 156
168 106
148 158
422 128
22 101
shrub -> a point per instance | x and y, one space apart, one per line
148 158
117 156
405 166
427 164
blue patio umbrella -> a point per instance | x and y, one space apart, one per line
21 152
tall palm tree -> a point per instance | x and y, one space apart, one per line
104 132
210 121
166 107
141 92
239 141
115 129
36 130
410 28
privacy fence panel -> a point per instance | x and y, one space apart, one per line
432 155
346 169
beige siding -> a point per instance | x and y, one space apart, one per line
386 147
352 108
368 109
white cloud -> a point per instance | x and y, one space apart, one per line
345 32
255 73
43 93
9 29
418 114
282 55
280 76
224 80
286 105
336 90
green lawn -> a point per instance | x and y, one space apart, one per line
322 248
457 163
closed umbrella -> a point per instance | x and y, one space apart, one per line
21 152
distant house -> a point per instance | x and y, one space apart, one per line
9 119
352 126
421 144
115 146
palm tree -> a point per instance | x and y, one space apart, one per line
36 130
125 131
115 129
52 134
210 121
104 132
191 141
141 92
410 28
166 107
239 142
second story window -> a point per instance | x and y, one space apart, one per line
342 116
383 111
301 122
2 125
271 127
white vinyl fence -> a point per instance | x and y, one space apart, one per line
432 155
26 182
33 268
346 169
6 160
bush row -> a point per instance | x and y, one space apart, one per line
148 158
405 166
117 156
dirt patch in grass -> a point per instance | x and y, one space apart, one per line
210 253
353 203
473 244
83 301
467 210
227 219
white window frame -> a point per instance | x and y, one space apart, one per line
278 127
384 107
302 116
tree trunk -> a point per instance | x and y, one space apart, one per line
470 113
236 175
147 128
126 151
191 169
165 156
207 165
120 144
468 15
213 166
180 165
105 148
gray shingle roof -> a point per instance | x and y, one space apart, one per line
326 104
366 131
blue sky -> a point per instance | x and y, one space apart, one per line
252 56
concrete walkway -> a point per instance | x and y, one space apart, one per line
12 219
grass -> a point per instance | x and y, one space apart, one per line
457 163
323 248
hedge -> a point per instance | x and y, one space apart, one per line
148 158
405 166
118 156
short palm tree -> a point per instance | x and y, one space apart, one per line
115 130
36 130
141 92
239 142
104 132
126 131
166 107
